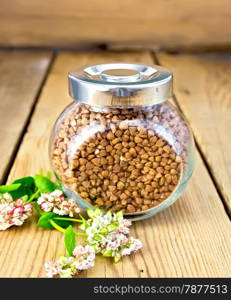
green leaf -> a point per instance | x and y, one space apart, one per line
44 220
47 216
45 185
69 240
9 188
27 187
107 253
63 223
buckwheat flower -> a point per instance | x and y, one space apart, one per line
51 269
108 234
62 268
84 257
13 212
58 204
133 245
5 197
66 267
123 226
46 206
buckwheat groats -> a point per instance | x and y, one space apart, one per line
121 145
121 159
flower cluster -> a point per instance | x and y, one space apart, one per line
13 212
66 267
58 204
108 234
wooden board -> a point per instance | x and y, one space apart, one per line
21 75
161 24
191 238
202 87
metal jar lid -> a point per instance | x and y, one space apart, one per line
120 84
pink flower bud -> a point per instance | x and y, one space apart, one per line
18 210
11 212
19 202
28 207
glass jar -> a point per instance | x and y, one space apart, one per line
122 145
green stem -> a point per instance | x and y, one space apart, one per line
61 229
56 226
69 219
80 234
82 217
33 197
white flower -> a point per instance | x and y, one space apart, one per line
57 193
108 234
66 267
62 268
57 203
133 246
67 273
46 206
4 226
6 197
13 212
51 269
84 257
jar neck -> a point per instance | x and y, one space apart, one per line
120 109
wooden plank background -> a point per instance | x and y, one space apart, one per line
151 23
21 74
191 238
202 87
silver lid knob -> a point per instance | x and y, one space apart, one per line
120 75
120 84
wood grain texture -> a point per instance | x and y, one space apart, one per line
21 75
202 87
191 238
162 24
